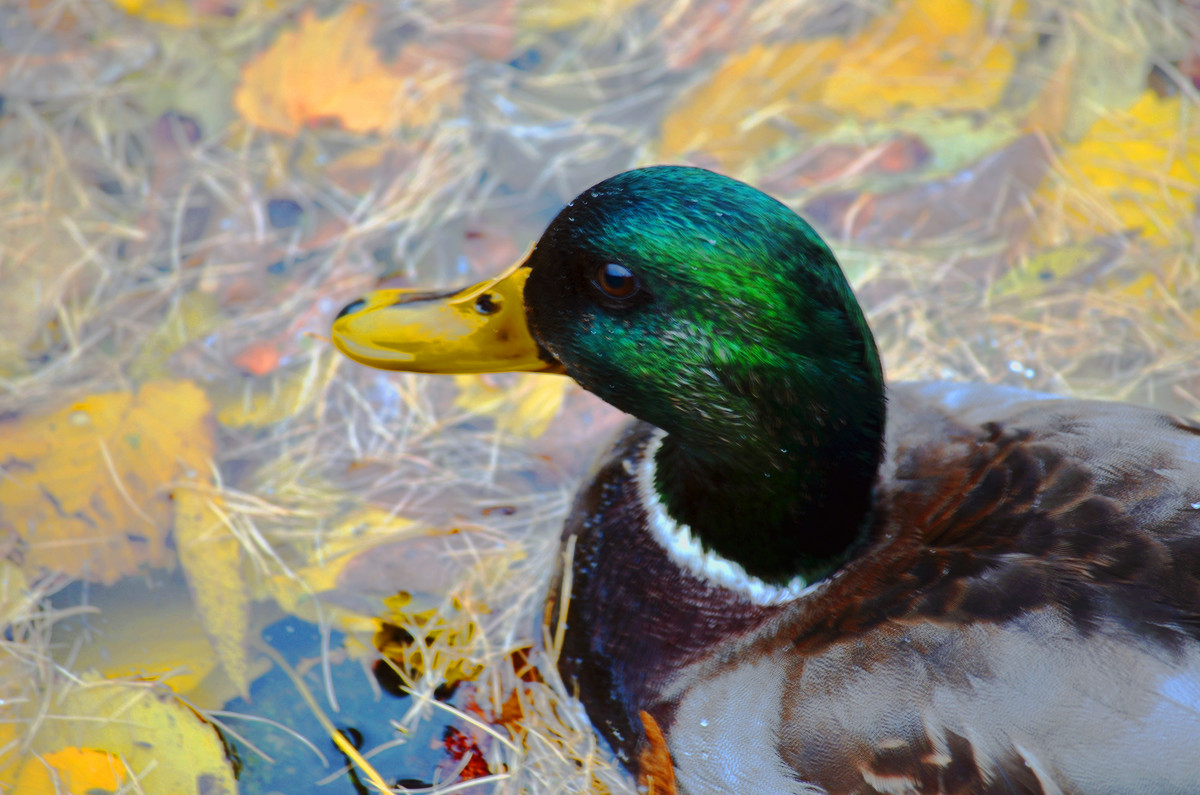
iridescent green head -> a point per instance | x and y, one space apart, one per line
697 303
712 311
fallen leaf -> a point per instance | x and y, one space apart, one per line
925 54
754 101
324 559
258 358
153 639
465 755
156 737
988 198
253 403
551 15
1060 268
211 557
195 315
1102 70
71 770
443 643
86 487
656 772
16 601
525 408
834 162
327 70
1134 169
178 13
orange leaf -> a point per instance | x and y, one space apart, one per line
258 358
72 770
925 54
752 103
86 487
928 53
145 729
327 71
656 772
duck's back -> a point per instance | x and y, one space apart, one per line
1026 618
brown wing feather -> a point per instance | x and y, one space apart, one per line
1078 505
1053 522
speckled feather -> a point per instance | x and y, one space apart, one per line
1005 522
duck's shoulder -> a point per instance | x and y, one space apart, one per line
1025 617
996 501
636 614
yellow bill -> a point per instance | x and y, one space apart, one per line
480 329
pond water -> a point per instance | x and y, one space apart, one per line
213 521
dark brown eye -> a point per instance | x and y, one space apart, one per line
616 281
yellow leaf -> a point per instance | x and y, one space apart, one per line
259 402
552 15
186 13
1137 169
10 759
927 54
195 315
179 13
442 643
81 771
211 557
753 102
524 409
15 600
1146 287
1055 268
86 487
1100 69
159 739
326 70
331 550
160 639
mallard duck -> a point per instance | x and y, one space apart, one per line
808 582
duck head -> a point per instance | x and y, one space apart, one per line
706 308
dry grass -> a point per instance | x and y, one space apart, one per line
137 241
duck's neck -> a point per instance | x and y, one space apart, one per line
792 497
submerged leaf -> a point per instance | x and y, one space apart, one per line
430 641
927 54
526 409
211 557
256 403
327 70
753 102
1137 169
178 13
159 739
72 770
153 636
559 14
352 539
1059 268
86 487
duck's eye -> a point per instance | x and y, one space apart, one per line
616 281
485 304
